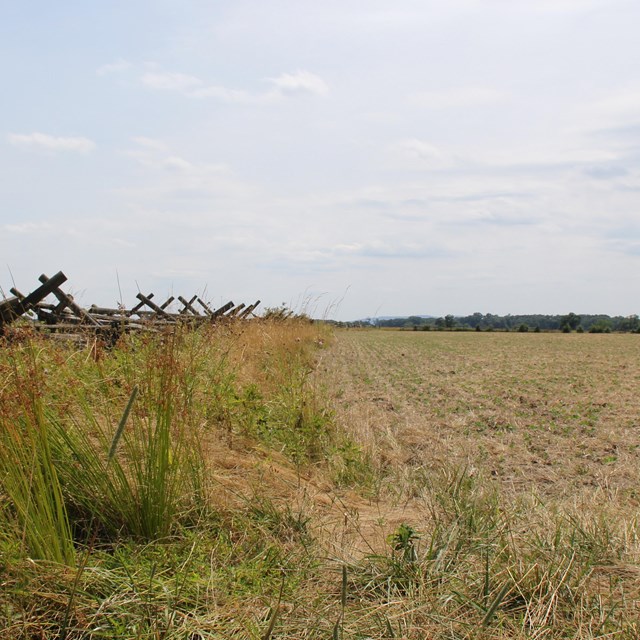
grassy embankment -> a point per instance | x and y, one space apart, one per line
247 481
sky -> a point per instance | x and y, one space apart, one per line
348 158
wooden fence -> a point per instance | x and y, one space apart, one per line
48 308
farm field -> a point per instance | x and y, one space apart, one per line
556 414
272 480
514 460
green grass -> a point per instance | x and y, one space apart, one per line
28 471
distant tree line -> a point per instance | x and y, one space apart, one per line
535 322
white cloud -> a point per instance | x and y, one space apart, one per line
610 111
175 163
286 84
28 227
150 143
47 142
299 82
224 94
427 154
113 67
563 6
624 103
389 249
458 97
170 178
171 81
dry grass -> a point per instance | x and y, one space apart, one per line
554 413
519 451
378 485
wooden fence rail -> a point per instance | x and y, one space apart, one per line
64 315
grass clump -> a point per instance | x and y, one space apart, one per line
114 446
476 564
29 475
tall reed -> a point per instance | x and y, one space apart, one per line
82 455
28 473
138 476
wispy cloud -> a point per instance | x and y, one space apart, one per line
625 102
194 87
458 97
422 153
150 143
390 250
564 6
606 172
44 141
118 66
225 94
171 178
171 81
613 116
299 82
282 86
629 247
28 227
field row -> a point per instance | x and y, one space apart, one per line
553 412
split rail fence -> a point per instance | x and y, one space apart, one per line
48 308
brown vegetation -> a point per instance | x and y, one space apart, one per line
374 484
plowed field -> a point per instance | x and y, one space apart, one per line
554 413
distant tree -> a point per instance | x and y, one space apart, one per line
523 328
630 323
569 322
449 321
440 323
602 326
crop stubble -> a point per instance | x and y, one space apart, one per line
554 413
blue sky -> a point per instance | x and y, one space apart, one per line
359 157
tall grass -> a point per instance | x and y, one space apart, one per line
28 474
113 446
69 467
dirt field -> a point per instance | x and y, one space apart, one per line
556 414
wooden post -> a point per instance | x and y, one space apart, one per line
141 304
14 307
68 302
206 308
222 310
249 310
165 304
236 310
188 305
152 305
